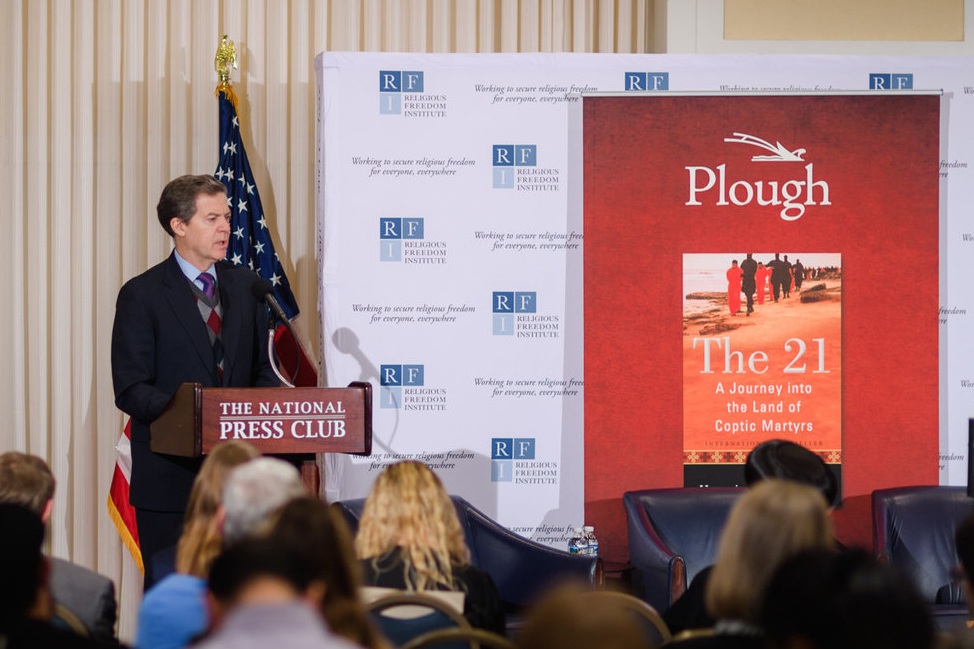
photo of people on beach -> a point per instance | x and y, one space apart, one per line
762 353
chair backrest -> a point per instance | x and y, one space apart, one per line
677 528
470 637
452 598
657 633
406 615
913 529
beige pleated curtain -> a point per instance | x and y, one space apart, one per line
101 103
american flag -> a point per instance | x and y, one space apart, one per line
119 509
250 240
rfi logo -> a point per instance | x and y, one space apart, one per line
392 378
392 85
505 157
503 452
647 81
391 233
505 304
890 81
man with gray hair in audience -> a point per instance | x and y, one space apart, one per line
253 491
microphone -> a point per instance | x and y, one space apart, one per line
263 290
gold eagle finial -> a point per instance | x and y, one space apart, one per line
226 57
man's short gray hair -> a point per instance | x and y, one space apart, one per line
253 491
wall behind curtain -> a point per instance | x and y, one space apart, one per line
102 102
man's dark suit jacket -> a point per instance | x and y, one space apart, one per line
87 594
159 341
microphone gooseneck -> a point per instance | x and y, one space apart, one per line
263 290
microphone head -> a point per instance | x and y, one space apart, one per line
261 288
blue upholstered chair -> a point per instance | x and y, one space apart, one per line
673 535
522 569
913 529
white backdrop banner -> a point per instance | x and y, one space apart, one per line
450 250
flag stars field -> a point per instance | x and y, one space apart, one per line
250 244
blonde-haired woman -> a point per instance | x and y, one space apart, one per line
173 611
410 538
772 522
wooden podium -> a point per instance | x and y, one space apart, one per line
278 421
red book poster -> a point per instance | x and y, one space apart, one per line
849 181
762 358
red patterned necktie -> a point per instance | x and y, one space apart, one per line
213 321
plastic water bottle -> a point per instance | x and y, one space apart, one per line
591 543
576 545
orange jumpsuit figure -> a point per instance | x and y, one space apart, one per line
761 278
734 274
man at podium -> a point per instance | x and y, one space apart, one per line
190 318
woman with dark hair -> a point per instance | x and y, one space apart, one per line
317 534
262 595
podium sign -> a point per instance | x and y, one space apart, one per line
278 421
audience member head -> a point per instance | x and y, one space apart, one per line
253 491
23 569
570 616
256 570
318 535
409 508
771 522
821 599
26 480
200 541
778 458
